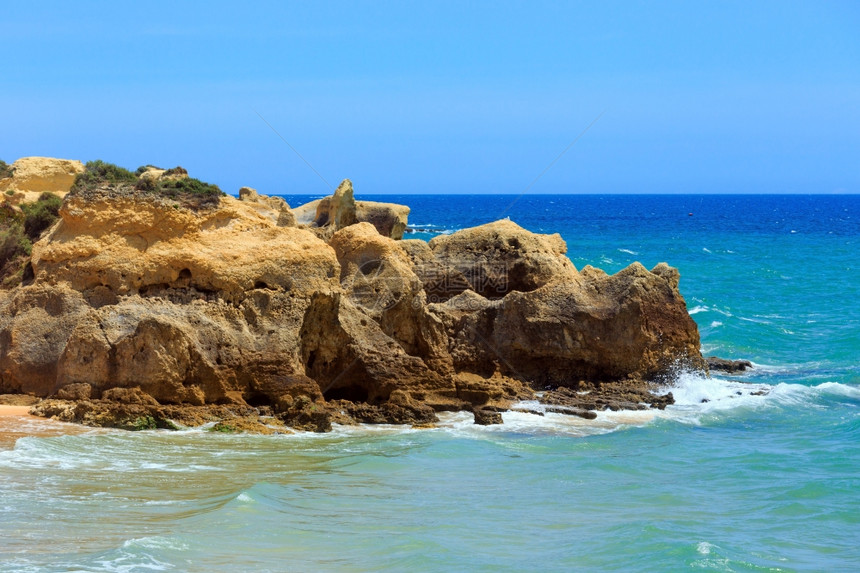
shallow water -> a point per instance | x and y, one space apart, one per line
724 480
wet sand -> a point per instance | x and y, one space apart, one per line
16 422
15 411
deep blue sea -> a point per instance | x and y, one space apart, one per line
725 480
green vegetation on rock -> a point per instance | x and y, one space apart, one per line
144 168
99 173
15 247
5 169
224 428
176 187
19 230
173 184
176 171
147 422
40 215
143 423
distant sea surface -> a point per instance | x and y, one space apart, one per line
725 480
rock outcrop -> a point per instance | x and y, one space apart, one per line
275 208
127 244
141 312
339 210
390 219
730 366
32 176
502 257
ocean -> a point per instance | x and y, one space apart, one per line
754 472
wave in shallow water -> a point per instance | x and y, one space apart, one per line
697 399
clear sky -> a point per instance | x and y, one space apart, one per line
430 97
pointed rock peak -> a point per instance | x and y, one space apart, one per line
671 274
344 190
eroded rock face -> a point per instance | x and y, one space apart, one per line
330 214
389 219
130 245
275 208
502 257
140 312
632 323
33 176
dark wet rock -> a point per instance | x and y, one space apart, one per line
572 411
388 413
660 401
527 411
104 413
303 414
626 395
724 365
487 417
618 405
77 391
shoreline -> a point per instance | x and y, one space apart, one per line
18 411
16 422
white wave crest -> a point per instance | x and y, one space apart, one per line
696 395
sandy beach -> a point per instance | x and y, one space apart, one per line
6 410
16 422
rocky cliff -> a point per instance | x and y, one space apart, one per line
29 177
141 311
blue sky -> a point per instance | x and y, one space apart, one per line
438 97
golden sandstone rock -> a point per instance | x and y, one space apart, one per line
340 210
33 176
229 305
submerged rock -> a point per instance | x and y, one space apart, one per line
141 312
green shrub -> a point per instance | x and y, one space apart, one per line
192 193
13 243
176 171
189 186
40 215
143 168
10 193
5 169
188 192
18 231
99 173
15 247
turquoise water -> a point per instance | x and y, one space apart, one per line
725 480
